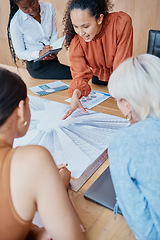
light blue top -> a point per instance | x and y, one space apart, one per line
27 33
134 155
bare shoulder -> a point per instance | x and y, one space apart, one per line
33 156
32 167
32 151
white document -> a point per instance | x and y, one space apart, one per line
94 98
58 43
37 221
57 46
78 140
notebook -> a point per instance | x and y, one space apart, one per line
57 46
102 191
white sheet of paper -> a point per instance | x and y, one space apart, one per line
59 43
94 98
78 140
37 221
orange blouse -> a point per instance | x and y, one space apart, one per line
103 54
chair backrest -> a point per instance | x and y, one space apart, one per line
154 43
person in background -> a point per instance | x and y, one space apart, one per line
134 151
29 179
31 33
98 42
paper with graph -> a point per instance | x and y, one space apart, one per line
78 140
94 98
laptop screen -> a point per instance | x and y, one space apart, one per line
102 191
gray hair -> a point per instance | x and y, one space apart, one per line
137 80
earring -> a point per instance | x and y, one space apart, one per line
25 123
129 116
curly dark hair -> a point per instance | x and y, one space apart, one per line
96 8
13 9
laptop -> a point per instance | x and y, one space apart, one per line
102 191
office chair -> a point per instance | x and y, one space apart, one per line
154 43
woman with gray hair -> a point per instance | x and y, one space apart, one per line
134 151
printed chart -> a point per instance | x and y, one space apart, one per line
79 140
48 88
94 98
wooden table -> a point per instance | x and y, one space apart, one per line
99 222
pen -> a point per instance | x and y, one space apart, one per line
42 43
62 166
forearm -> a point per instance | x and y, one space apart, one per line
79 88
77 93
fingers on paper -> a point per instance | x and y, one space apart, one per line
71 110
67 114
82 108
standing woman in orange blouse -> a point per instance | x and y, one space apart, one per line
98 42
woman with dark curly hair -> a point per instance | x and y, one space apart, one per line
98 42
